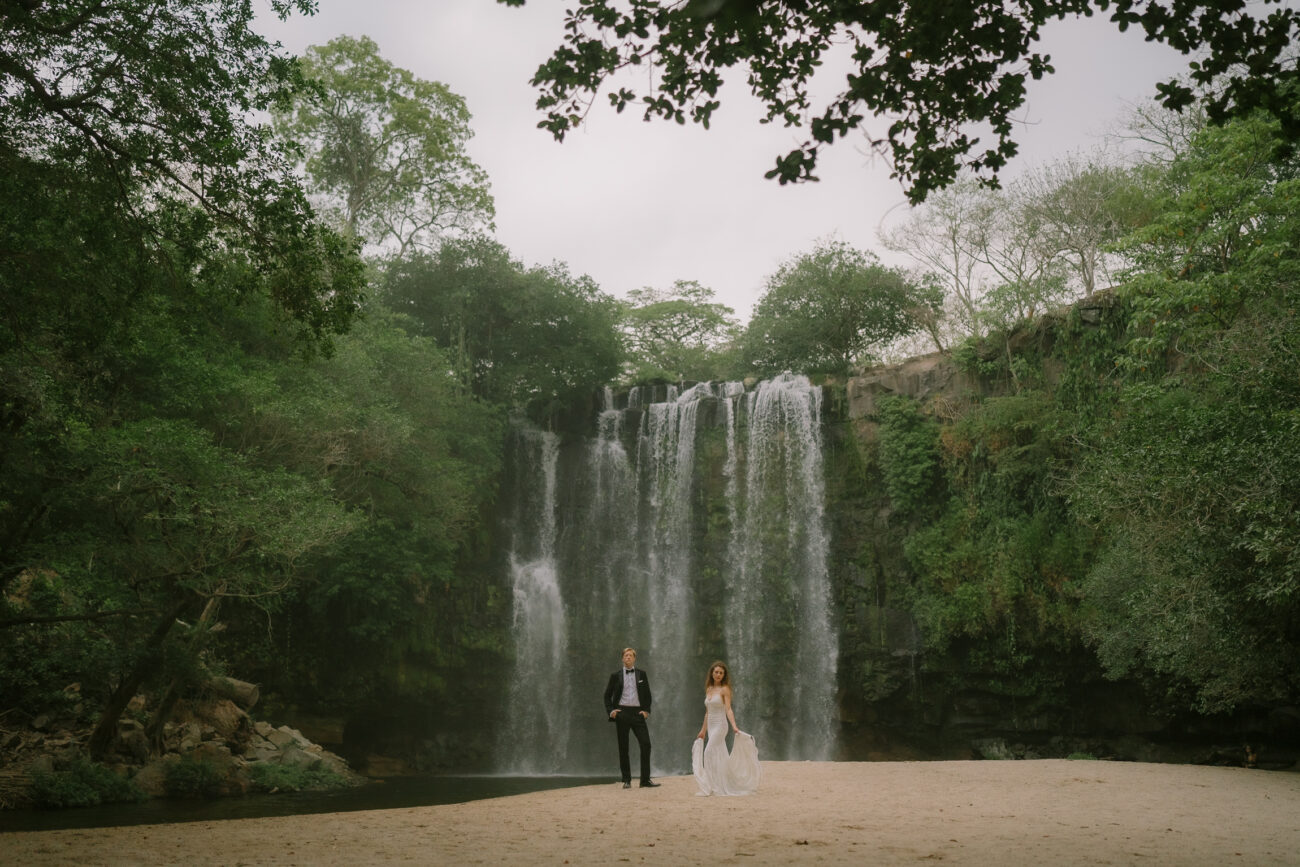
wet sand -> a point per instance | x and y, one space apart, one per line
1049 812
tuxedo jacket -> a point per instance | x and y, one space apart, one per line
614 691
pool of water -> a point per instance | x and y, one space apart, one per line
378 795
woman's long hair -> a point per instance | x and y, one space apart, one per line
726 675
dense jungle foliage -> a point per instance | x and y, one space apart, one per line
228 442
240 435
1116 493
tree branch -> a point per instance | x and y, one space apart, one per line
66 618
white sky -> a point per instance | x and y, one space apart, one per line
637 204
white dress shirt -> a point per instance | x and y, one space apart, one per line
630 697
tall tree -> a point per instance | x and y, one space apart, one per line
1081 206
827 309
1029 273
673 334
151 102
947 236
1005 255
1158 134
519 336
385 150
932 72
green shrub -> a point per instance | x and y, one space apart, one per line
1086 757
909 452
82 784
193 778
295 778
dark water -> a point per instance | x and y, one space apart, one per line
380 795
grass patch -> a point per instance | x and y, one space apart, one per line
295 778
193 778
82 784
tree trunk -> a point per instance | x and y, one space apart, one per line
105 733
241 692
154 731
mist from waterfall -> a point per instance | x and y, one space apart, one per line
691 526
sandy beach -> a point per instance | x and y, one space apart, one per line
994 813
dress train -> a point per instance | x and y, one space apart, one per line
717 771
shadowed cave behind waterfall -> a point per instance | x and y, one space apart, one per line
690 526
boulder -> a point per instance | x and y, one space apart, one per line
152 778
134 744
41 765
337 765
191 735
281 738
294 756
261 750
227 721
284 736
235 779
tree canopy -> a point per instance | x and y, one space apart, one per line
930 72
826 309
150 104
676 334
385 150
523 337
169 443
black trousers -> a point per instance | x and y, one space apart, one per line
629 719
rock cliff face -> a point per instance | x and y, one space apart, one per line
899 700
928 378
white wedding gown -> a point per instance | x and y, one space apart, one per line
718 772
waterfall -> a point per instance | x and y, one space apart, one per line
666 478
540 626
779 630
610 527
690 526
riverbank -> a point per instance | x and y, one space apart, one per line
1007 813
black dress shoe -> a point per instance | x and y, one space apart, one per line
627 785
650 784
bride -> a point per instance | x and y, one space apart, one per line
718 772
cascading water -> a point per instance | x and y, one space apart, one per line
691 527
612 518
779 630
540 625
667 480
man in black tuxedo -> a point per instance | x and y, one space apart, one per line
627 701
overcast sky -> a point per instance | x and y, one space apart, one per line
637 204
